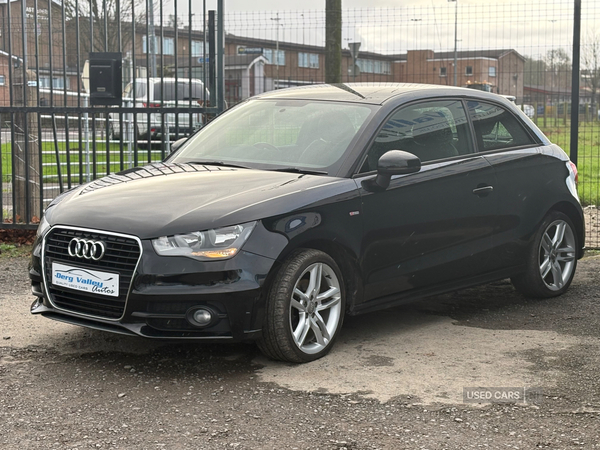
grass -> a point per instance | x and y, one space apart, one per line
14 250
591 252
588 154
75 155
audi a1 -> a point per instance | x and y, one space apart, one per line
302 205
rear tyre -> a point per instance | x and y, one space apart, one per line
552 259
304 308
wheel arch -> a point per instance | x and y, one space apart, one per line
575 215
346 261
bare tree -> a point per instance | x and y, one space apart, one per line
590 61
559 63
535 71
109 24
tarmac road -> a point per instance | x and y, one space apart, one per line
394 380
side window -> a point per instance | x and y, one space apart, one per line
496 128
167 89
430 130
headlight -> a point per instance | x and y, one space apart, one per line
219 243
43 227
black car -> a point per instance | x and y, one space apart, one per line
302 205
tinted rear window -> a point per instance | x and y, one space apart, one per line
183 91
497 128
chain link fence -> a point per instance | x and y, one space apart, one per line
522 50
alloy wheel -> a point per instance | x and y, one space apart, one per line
557 255
315 308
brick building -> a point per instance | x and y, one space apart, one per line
502 69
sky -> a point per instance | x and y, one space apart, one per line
532 27
279 5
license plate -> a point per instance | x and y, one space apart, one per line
92 281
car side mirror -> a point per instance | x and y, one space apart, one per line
178 143
394 162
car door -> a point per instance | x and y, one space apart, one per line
435 226
526 177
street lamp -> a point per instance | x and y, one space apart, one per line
354 48
455 35
277 19
415 31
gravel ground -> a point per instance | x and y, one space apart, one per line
393 381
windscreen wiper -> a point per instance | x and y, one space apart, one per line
218 164
299 170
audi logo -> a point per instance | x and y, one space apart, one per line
87 249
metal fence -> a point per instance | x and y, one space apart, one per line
52 134
520 49
523 50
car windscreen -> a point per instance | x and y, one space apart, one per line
280 133
140 88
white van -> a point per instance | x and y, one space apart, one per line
163 93
529 110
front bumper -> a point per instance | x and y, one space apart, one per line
165 289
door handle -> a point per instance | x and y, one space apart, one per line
482 191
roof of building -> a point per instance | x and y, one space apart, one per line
241 60
3 53
462 54
492 53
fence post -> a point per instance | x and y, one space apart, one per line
575 82
26 151
86 132
333 41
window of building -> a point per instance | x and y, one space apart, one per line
492 71
310 60
169 46
374 66
270 54
443 72
496 128
57 82
469 71
2 80
197 48
145 44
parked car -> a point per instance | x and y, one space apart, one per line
156 94
302 205
529 110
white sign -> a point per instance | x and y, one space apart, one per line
92 281
249 50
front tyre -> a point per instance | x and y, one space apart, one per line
552 259
304 308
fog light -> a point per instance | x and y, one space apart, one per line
200 317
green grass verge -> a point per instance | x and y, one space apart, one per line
588 154
116 162
13 251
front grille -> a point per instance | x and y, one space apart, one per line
121 256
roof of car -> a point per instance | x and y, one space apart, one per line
372 93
